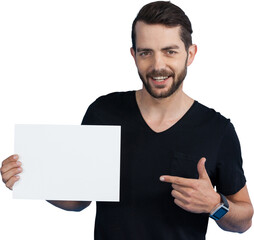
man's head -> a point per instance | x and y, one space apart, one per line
167 14
162 47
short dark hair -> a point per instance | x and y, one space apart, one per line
165 13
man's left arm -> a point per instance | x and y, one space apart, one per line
199 196
239 216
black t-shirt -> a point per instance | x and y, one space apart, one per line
146 209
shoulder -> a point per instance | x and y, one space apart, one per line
115 103
109 108
208 114
209 120
113 99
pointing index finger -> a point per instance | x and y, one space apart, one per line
176 180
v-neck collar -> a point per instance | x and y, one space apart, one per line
174 126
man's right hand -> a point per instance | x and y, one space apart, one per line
11 167
9 170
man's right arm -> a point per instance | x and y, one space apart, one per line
11 167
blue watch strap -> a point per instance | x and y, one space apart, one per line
221 210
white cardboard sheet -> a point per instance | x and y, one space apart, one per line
65 162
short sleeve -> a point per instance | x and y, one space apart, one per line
91 115
229 175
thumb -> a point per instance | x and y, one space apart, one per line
201 169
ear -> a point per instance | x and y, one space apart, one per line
133 54
191 54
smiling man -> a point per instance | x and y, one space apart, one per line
174 150
162 68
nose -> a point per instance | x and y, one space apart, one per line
159 62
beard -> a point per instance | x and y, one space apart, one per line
177 81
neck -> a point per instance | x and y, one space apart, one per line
171 108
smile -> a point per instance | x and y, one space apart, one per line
160 79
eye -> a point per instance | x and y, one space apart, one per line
144 54
171 52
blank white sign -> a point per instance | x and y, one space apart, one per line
63 162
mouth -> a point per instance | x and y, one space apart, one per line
160 80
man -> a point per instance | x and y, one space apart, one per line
174 149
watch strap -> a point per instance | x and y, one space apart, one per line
224 200
220 210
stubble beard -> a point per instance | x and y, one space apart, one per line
176 83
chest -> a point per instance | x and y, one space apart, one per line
146 156
160 125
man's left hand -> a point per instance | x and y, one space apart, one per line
194 195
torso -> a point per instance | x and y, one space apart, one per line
146 209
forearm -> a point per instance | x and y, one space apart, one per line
70 205
238 219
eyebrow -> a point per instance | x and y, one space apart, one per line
170 47
144 49
163 49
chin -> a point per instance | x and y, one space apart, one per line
160 94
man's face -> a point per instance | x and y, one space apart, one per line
161 58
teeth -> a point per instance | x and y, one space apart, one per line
160 79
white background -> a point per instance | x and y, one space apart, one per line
56 57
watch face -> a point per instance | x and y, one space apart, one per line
220 213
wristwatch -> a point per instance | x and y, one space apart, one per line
221 209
